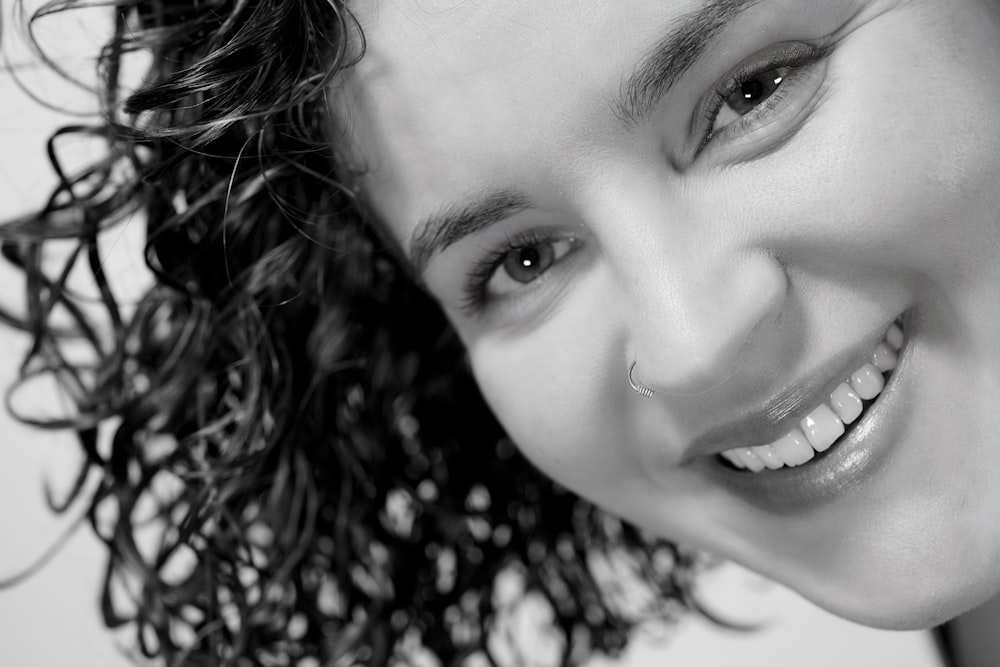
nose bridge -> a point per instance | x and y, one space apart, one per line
694 302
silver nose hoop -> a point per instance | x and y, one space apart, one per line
638 388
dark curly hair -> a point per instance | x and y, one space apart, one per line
295 464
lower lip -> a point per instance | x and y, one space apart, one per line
858 456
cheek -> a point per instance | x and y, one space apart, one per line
898 169
557 390
922 186
933 129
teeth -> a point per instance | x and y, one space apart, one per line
744 459
884 357
826 423
749 459
769 457
846 403
794 449
734 458
894 336
822 427
867 381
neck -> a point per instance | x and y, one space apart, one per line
974 637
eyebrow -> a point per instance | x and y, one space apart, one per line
672 57
639 94
458 221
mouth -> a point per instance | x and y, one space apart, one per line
819 438
829 419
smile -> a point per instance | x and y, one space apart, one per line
828 421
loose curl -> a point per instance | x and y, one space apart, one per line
287 413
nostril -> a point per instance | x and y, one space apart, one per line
692 335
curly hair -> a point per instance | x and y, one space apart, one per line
295 465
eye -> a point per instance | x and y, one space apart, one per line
513 268
773 86
526 263
749 94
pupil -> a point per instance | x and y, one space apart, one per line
528 262
752 92
752 89
529 257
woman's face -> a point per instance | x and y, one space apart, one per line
741 197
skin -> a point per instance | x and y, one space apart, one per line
728 274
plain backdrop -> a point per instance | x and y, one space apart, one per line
52 619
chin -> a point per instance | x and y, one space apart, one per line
902 595
908 610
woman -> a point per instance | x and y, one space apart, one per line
724 268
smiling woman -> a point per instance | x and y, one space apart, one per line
723 272
784 196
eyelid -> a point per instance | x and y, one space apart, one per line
796 55
785 54
475 300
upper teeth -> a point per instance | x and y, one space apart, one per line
825 423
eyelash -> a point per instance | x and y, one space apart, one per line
475 298
799 58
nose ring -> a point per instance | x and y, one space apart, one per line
640 389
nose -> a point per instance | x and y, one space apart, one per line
694 315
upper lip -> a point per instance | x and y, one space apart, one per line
763 424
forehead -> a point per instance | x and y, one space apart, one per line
450 94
